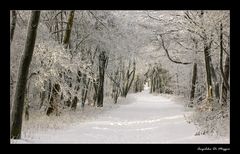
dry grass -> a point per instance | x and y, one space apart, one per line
214 120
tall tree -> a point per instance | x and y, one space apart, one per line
224 73
103 59
69 29
54 99
224 86
194 79
128 79
18 103
13 24
207 46
207 43
215 82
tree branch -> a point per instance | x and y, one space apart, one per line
84 38
115 82
191 31
169 32
98 19
33 74
154 18
184 46
56 14
61 30
177 62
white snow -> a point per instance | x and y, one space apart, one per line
147 119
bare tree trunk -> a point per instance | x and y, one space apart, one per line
115 90
102 66
154 84
57 29
13 24
151 84
194 79
178 89
18 103
43 94
74 103
61 16
116 86
215 81
221 57
95 96
26 102
208 69
69 29
224 86
66 43
85 89
54 100
128 80
137 85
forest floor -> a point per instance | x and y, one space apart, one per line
143 118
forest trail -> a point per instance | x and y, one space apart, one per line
148 119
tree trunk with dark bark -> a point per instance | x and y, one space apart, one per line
13 24
128 80
18 103
95 95
194 79
225 72
54 100
224 86
207 47
84 91
221 59
215 82
74 103
102 66
69 29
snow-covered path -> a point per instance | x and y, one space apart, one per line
148 119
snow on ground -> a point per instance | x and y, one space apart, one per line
147 119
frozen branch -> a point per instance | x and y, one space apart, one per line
98 20
154 18
84 38
166 50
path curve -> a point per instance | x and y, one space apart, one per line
148 119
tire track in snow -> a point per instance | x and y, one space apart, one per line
148 119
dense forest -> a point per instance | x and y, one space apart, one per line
66 60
